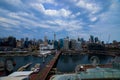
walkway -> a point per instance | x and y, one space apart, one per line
42 75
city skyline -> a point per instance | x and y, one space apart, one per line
73 18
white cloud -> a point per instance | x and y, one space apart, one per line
78 13
93 19
18 19
51 12
108 23
70 25
9 21
28 23
75 15
64 12
38 7
86 18
89 6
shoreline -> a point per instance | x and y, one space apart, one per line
35 53
21 53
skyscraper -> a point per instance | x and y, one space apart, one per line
61 43
45 40
96 39
91 39
66 44
73 43
54 36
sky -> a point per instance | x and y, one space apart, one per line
73 18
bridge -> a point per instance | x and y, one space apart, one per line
42 75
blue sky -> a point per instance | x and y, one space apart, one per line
73 18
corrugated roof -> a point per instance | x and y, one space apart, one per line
21 73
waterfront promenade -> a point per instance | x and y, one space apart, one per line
42 75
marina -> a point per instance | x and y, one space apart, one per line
65 60
58 61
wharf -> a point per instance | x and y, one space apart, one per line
42 75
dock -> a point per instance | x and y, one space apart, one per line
42 75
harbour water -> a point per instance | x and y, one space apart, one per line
23 60
66 63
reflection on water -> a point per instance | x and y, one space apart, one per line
23 60
67 63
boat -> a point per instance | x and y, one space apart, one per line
24 67
36 68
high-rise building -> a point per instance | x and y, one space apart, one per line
73 43
18 44
82 40
55 44
61 43
54 36
96 39
12 41
45 40
66 44
22 42
26 43
78 45
91 39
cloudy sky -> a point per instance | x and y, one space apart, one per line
73 18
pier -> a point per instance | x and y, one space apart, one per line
42 75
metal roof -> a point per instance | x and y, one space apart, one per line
95 73
17 75
20 73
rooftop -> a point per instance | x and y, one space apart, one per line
94 73
17 75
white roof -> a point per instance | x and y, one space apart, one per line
12 78
20 73
17 75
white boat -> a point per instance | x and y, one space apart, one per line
24 67
19 75
36 68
